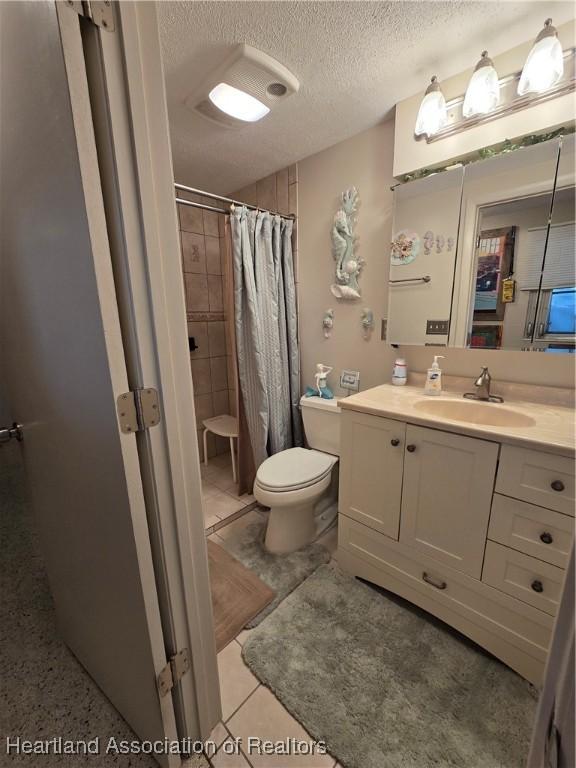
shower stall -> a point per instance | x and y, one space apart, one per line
208 272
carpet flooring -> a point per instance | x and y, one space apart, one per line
282 573
44 692
385 684
237 594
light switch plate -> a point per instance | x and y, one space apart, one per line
437 327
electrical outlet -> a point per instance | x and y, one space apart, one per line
437 327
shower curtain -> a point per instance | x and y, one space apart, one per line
266 336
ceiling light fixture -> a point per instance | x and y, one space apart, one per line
483 92
237 103
432 113
246 87
545 63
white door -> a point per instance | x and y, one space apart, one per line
446 496
371 462
64 367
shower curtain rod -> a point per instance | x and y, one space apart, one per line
222 199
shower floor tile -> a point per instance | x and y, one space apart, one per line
219 495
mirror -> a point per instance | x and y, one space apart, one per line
506 203
422 258
508 282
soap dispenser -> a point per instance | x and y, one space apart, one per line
433 384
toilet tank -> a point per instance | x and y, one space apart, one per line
321 424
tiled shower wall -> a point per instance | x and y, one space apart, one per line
202 243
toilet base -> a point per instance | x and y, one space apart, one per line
288 532
298 517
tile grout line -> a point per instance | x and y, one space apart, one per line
239 707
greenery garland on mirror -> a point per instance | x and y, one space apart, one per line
493 151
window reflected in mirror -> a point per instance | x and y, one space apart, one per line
555 321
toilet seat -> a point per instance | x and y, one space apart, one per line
294 469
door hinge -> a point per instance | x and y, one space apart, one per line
100 12
173 672
138 410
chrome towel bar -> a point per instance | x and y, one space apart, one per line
425 279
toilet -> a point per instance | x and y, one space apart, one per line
300 484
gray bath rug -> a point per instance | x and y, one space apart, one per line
283 573
385 685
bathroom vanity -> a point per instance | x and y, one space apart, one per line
464 508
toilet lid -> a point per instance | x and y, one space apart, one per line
293 469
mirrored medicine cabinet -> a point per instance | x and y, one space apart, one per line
483 256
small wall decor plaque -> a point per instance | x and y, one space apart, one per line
405 247
367 323
328 323
344 242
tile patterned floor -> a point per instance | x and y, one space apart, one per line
219 492
250 709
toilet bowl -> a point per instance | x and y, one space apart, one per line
298 484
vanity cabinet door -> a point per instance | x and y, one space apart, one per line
446 496
371 460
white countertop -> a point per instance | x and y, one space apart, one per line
553 431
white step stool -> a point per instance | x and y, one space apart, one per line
224 426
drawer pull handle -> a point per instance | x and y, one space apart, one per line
410 448
395 442
546 538
434 582
557 485
537 586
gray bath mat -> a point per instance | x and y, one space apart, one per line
283 573
386 686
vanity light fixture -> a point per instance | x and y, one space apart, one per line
545 63
432 114
483 92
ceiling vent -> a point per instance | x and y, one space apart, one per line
244 89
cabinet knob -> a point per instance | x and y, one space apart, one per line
394 441
537 586
546 538
557 485
410 448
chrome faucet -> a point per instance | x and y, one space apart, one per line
482 384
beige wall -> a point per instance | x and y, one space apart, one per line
410 154
364 161
519 367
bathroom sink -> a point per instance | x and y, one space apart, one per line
490 414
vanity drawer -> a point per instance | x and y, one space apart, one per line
523 577
509 628
533 530
540 478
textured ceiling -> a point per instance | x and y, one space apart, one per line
354 60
